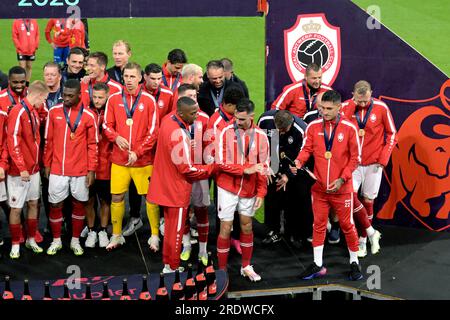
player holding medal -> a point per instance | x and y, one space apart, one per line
333 142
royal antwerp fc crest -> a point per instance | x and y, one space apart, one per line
312 39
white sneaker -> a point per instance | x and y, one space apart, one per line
133 225
153 242
55 246
375 242
91 239
15 251
194 233
76 247
250 273
31 244
167 269
115 242
362 250
103 239
85 232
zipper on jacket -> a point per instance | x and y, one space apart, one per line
64 146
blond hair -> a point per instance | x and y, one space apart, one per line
362 87
122 43
38 86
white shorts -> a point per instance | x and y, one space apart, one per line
229 202
200 194
3 194
21 191
59 188
369 179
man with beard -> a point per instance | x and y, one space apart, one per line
301 97
154 86
211 92
172 69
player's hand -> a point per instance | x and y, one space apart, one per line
90 178
25 175
255 168
132 157
258 203
85 79
282 182
122 143
46 172
335 185
2 174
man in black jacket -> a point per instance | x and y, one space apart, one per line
211 91
287 192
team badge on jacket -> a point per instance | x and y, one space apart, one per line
340 137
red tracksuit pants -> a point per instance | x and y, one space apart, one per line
343 206
174 220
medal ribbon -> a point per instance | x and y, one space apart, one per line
329 142
77 120
133 108
362 124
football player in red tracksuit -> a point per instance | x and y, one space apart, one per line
102 185
25 34
333 142
378 136
70 160
131 123
200 188
300 97
96 71
16 91
190 74
171 69
24 181
243 157
220 119
61 39
154 86
171 183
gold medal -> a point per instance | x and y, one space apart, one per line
129 122
362 132
328 155
72 135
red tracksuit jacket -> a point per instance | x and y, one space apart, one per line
23 139
232 161
380 135
58 25
170 79
163 97
216 123
293 99
345 153
26 42
64 155
4 154
141 135
173 171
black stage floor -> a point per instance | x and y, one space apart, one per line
413 264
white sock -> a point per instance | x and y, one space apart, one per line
363 240
187 240
15 247
353 256
318 253
202 248
370 231
57 240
